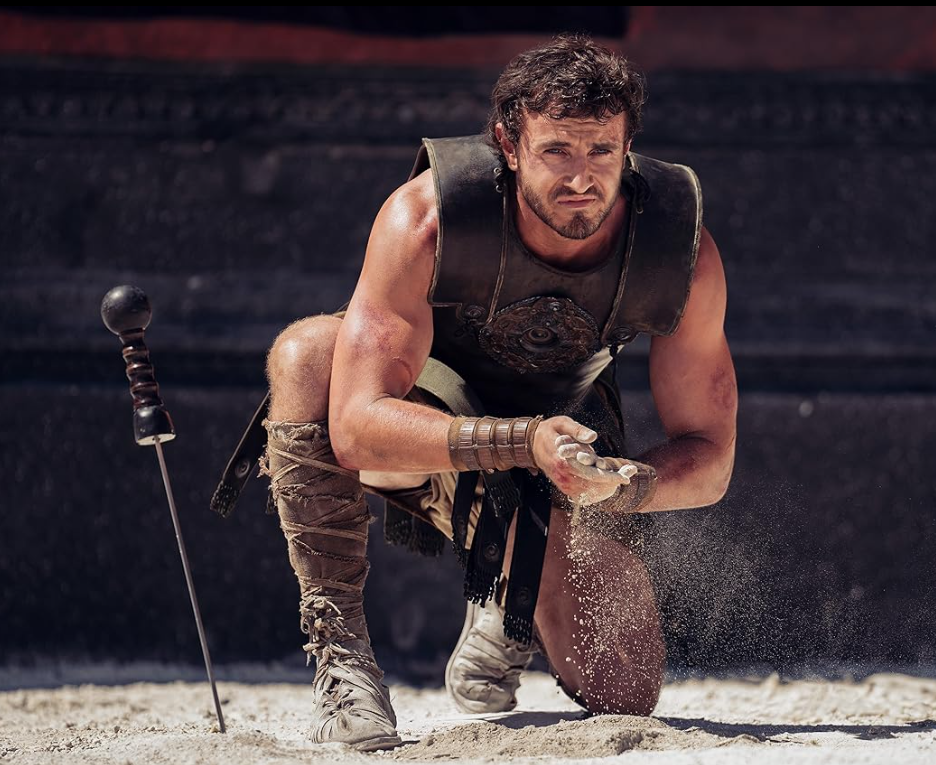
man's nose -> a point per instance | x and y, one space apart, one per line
580 179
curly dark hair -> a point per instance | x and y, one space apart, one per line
572 76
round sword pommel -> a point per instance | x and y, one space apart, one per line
126 312
125 308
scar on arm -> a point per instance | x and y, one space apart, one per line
724 388
410 376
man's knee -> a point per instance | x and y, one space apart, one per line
622 688
299 368
640 700
304 346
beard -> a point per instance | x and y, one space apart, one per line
581 226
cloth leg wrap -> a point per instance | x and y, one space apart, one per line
324 517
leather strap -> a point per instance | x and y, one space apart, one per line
242 464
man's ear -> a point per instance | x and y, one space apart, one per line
510 151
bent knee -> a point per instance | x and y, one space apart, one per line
307 343
299 367
634 692
620 682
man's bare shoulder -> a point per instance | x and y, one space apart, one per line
708 294
401 252
421 194
704 315
407 225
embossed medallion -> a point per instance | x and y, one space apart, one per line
541 334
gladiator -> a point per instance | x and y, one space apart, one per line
469 381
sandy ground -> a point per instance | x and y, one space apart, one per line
885 717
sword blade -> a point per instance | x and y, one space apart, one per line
189 582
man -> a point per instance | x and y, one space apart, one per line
522 248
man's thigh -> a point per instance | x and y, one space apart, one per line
393 481
432 501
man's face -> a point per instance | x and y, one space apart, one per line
569 170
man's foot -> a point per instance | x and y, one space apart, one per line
353 707
483 673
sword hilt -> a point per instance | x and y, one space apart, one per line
126 312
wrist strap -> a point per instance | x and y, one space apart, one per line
491 443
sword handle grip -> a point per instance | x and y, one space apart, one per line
126 312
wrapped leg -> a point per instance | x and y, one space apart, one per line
325 518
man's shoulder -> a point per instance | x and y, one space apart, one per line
708 277
413 210
704 314
418 198
401 252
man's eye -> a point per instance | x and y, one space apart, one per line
562 151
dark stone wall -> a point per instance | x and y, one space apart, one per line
241 198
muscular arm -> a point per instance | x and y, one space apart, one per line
383 345
693 382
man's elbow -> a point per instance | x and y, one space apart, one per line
344 441
725 470
354 435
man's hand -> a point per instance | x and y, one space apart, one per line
562 449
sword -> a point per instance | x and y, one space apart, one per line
126 312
